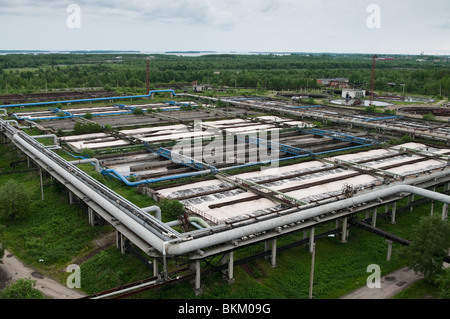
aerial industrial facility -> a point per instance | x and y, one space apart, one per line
303 174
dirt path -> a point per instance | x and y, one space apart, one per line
12 269
391 285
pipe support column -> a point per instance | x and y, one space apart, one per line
394 210
445 212
198 289
273 259
344 230
42 184
91 216
155 268
389 252
230 279
374 217
311 240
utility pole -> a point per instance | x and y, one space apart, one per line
148 75
372 79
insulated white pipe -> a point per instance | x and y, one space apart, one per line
179 248
155 209
17 123
55 138
133 223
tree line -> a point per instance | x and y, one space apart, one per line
22 73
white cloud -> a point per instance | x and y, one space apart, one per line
270 25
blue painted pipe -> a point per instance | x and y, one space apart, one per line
150 181
205 172
382 118
88 100
120 177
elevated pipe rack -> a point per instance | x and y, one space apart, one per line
150 94
167 242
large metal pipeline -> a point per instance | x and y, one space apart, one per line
134 223
186 244
291 216
155 209
55 138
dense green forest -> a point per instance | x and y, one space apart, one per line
28 73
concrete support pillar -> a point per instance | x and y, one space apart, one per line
230 278
273 256
42 184
123 241
394 210
311 278
344 230
70 198
311 240
410 200
374 217
432 208
389 252
155 268
197 287
28 162
445 212
91 216
367 214
117 239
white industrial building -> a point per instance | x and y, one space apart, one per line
353 93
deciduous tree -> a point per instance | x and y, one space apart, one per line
430 244
15 200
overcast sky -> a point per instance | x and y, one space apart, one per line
341 26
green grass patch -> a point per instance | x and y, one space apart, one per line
110 269
419 290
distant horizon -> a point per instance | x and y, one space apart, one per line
206 52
